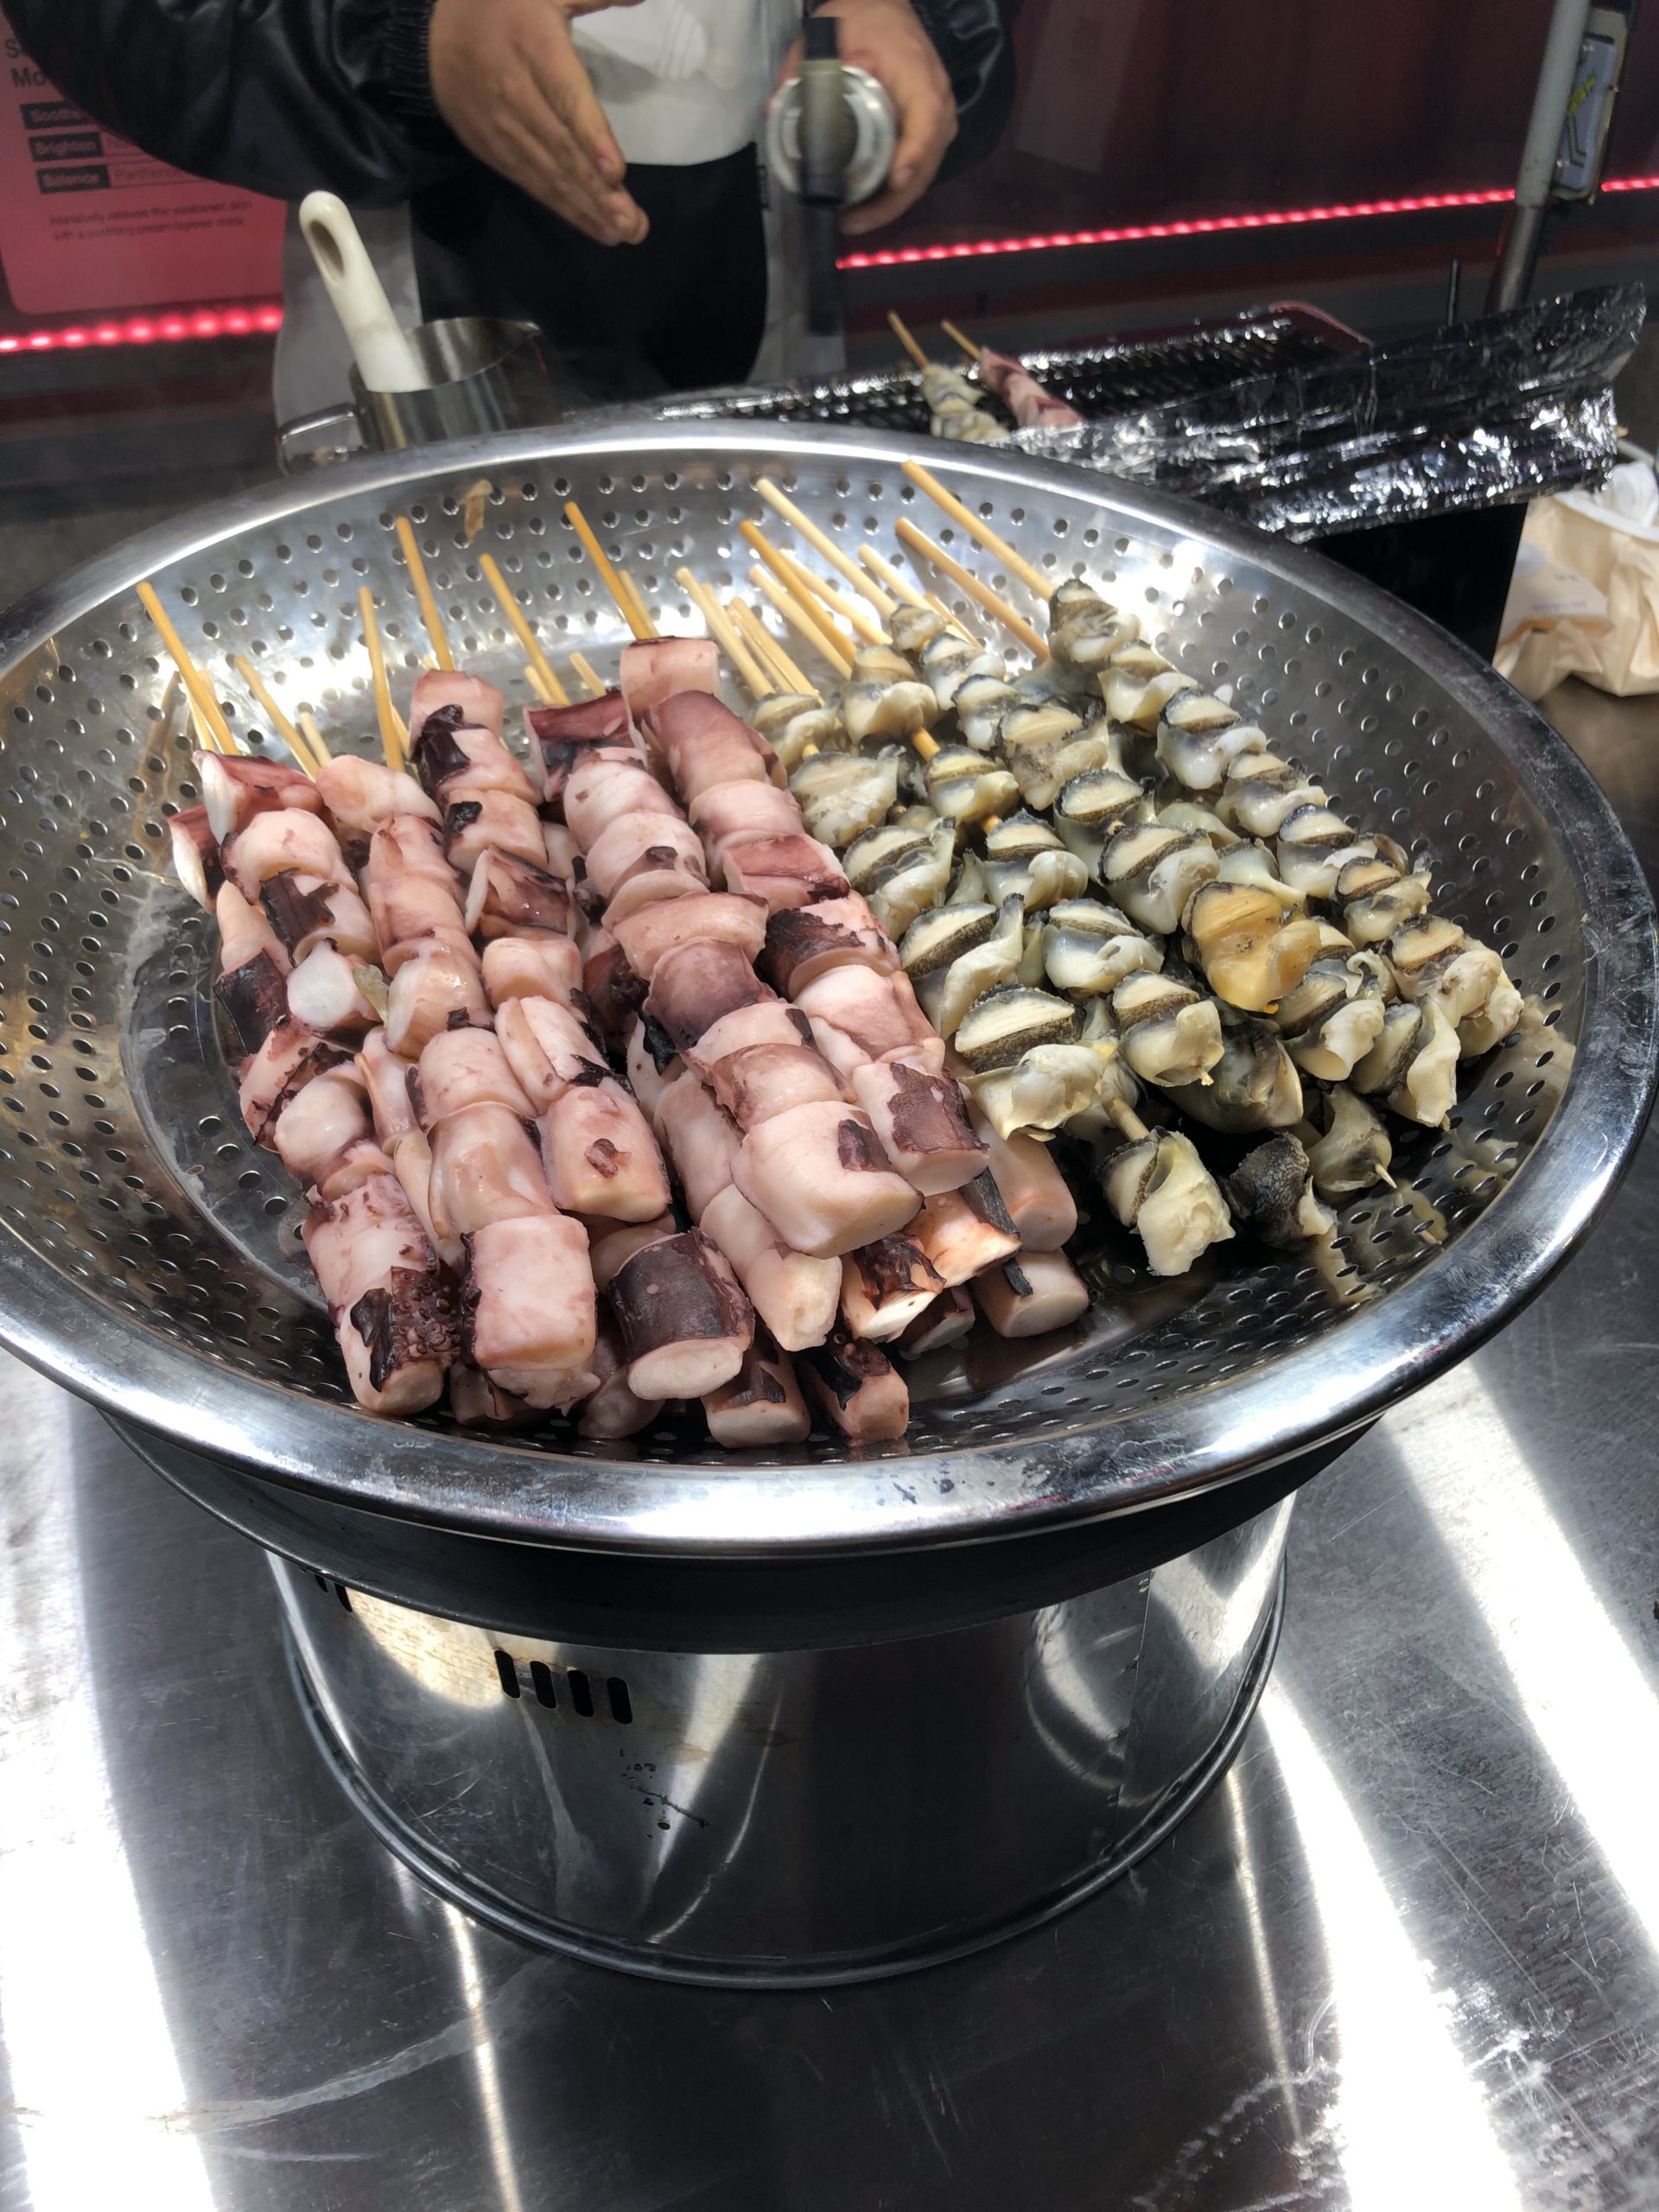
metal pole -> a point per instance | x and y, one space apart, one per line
1523 228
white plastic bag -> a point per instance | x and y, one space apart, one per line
1584 600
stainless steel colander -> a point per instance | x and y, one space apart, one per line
150 1258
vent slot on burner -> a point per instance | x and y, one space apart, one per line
544 1685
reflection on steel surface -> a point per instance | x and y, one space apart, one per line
1580 1689
94 2079
1406 2101
497 2129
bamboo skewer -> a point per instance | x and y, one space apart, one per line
637 621
590 677
636 602
428 605
545 681
945 616
538 684
771 649
1129 1123
314 736
294 739
809 591
172 692
900 586
962 338
720 629
800 618
861 624
197 690
979 530
909 344
391 739
762 645
917 543
820 542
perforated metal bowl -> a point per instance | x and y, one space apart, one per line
151 1257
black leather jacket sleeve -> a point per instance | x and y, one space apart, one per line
286 97
975 41
282 97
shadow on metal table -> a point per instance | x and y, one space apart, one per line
1406 1954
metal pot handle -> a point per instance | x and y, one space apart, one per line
314 440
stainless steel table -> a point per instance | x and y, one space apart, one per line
1405 1956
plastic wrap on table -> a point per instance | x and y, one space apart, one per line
1479 414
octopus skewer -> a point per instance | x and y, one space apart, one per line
953 399
1033 406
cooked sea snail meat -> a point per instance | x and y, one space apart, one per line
1088 948
1252 944
842 795
910 630
1009 1021
1097 794
1433 959
1413 1066
1084 629
1153 872
964 787
963 961
1023 857
1199 737
796 724
1331 1018
902 871
1051 1087
1253 1082
955 406
1272 1193
949 661
1171 1034
1139 683
1192 814
1382 902
1345 1140
1157 1185
981 704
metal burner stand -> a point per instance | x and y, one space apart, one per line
788 1818
693 1712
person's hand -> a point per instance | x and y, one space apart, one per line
887 38
508 81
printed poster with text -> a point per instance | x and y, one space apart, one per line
88 223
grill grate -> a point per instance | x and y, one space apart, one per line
1115 377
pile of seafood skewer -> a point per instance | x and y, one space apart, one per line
715 1059
426 977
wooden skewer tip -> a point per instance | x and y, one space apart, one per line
1009 617
903 335
424 599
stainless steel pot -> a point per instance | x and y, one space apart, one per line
484 374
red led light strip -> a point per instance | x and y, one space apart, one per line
267 316
1208 225
149 329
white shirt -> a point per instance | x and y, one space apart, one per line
685 80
